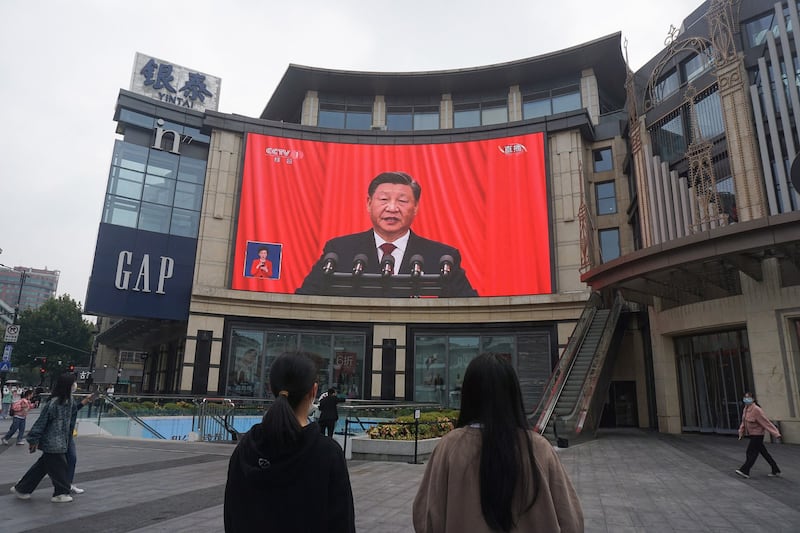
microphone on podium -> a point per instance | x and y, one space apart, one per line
329 263
359 263
387 265
446 265
417 264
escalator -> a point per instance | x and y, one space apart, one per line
575 394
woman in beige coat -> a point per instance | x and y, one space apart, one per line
754 424
493 473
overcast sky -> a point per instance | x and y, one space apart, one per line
62 65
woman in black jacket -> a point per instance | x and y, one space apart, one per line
284 475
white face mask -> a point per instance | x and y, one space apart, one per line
74 387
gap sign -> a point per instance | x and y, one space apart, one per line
141 274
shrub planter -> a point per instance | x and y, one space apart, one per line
367 449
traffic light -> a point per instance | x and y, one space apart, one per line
42 370
43 365
71 368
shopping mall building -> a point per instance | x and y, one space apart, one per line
636 232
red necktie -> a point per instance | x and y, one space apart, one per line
387 248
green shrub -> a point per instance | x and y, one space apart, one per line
431 424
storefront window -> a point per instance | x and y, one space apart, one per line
714 372
440 362
339 359
246 369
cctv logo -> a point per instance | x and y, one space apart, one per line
510 149
282 155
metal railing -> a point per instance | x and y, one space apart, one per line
555 385
109 401
588 403
215 419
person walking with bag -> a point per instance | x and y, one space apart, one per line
19 410
493 473
284 475
754 424
50 433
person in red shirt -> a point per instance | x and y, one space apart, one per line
261 266
754 424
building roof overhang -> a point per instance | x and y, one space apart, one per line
603 55
706 265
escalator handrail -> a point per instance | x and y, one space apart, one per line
555 384
132 416
586 401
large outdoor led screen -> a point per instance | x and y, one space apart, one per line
481 219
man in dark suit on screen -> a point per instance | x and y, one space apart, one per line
392 202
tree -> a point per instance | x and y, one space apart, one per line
59 320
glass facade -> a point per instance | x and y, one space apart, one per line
156 189
714 372
440 361
339 358
541 103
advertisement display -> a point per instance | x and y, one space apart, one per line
138 273
460 219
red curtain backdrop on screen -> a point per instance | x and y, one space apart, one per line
487 198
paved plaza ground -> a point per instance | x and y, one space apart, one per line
628 480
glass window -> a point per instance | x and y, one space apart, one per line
666 87
358 120
188 196
331 118
158 190
130 156
246 364
609 244
193 170
698 64
121 212
709 116
195 135
136 119
536 108
566 102
757 30
430 356
606 198
124 182
399 121
348 365
428 120
669 138
603 161
440 362
185 223
714 371
155 218
163 164
494 115
465 118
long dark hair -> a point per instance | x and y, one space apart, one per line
491 397
62 391
291 377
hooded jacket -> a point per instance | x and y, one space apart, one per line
305 488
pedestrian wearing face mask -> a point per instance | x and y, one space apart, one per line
754 424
